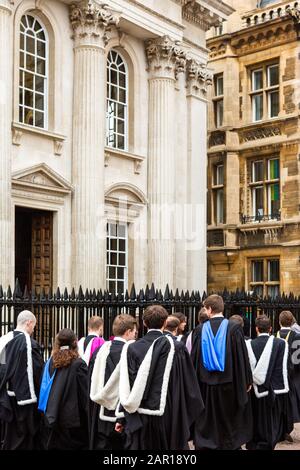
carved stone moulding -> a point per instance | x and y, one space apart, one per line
217 138
259 133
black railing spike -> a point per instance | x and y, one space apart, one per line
152 292
192 298
167 293
147 291
43 294
120 296
197 296
159 296
87 294
132 292
106 295
1 292
94 295
182 296
9 293
177 296
100 295
141 296
66 294
33 294
204 295
80 294
17 291
26 293
187 296
113 296
171 295
57 295
126 295
73 294
50 294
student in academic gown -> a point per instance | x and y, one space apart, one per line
271 406
88 345
220 358
21 366
63 396
171 328
104 372
286 320
159 393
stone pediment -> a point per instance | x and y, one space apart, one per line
41 177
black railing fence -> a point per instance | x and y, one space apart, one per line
73 310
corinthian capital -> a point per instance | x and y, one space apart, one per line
198 78
90 22
165 57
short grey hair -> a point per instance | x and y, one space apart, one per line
25 316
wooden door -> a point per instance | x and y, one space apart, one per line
42 250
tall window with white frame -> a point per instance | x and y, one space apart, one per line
218 193
265 92
33 93
265 189
117 102
117 256
219 100
265 277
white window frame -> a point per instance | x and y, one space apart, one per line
109 251
109 100
46 79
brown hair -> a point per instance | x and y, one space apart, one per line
95 323
237 319
155 316
215 302
172 323
263 324
64 357
181 316
122 323
202 316
286 318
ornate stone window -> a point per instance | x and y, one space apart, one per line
117 257
265 92
117 102
218 194
33 72
265 277
218 100
265 189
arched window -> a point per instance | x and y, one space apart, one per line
117 102
33 72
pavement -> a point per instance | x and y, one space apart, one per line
285 445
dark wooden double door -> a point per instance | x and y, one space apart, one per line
34 248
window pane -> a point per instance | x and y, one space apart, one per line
30 63
121 273
117 269
29 98
39 101
114 77
41 48
219 174
273 270
22 41
258 201
257 271
121 111
113 244
28 116
219 86
274 199
122 245
257 171
22 58
111 287
273 75
273 169
114 259
121 142
120 287
114 93
220 206
122 95
30 45
257 80
28 83
122 80
39 119
273 103
122 231
273 291
257 102
41 66
122 259
220 113
39 84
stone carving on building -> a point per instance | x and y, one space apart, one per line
196 13
217 138
199 78
165 56
90 21
294 13
259 133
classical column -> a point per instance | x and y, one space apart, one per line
162 54
90 22
6 79
198 78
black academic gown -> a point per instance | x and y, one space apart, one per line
64 425
102 435
18 409
184 404
272 414
227 420
294 371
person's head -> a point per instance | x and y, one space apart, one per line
263 324
172 325
213 305
182 321
155 317
95 325
26 321
238 319
125 326
65 348
202 316
286 319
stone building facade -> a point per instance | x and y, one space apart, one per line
253 150
102 136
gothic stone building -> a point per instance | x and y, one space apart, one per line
253 150
103 141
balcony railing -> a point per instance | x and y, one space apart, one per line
246 219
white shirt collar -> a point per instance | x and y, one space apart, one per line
154 329
285 328
263 334
218 315
118 338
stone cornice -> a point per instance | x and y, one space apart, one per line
90 21
165 57
194 12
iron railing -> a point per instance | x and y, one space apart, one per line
246 219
